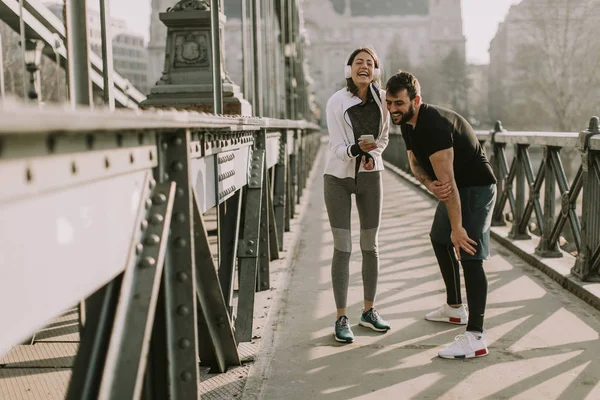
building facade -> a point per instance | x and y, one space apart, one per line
130 56
406 34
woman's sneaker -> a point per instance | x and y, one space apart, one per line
343 333
372 319
445 313
469 345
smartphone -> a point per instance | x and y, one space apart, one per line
368 139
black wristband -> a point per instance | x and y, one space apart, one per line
355 150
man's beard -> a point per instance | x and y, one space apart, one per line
406 117
409 115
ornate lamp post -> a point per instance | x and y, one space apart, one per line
33 57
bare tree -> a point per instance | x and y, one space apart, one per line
13 61
53 79
397 59
556 73
454 80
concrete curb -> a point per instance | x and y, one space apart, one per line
262 362
558 269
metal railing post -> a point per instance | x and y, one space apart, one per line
587 265
215 34
258 59
79 65
107 54
546 248
496 158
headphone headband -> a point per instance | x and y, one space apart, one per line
348 70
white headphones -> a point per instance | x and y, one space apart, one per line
348 72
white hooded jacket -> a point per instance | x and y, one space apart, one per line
340 161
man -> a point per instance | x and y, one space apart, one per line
447 158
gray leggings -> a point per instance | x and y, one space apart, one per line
368 191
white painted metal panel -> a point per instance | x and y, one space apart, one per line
61 246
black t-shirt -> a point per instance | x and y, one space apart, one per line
438 129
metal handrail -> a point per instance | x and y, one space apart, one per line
558 139
27 119
527 193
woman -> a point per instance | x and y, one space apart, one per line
354 166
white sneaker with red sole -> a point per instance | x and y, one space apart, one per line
451 315
469 345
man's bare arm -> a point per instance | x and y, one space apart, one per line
417 170
443 166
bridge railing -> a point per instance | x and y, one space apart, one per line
111 208
565 222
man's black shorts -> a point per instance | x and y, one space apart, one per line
477 205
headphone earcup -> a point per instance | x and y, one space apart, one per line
376 73
348 71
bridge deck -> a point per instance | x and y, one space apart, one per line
543 340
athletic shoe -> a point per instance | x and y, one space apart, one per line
372 319
469 345
445 313
343 333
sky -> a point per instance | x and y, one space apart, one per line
480 21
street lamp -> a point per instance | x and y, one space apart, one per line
33 58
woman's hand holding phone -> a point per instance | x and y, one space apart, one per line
367 143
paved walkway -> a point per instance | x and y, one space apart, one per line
543 340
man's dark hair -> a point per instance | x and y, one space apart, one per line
404 80
349 82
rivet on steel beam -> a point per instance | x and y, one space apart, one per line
139 248
157 219
184 343
159 198
254 183
177 141
249 251
148 203
182 310
148 262
165 144
152 240
180 243
180 192
186 376
152 184
251 242
182 276
177 166
166 176
144 225
264 284
180 217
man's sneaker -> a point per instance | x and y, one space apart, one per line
343 333
372 319
469 345
449 314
